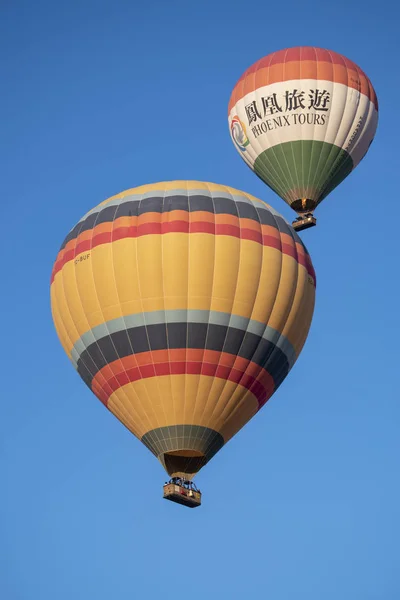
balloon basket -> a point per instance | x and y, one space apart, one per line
304 222
183 492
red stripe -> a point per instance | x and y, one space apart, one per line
290 251
261 387
202 227
180 227
298 55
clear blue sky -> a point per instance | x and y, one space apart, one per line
99 96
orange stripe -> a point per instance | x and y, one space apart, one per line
67 248
253 225
123 221
315 63
227 220
270 231
147 217
202 215
175 215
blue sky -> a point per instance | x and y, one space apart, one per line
101 96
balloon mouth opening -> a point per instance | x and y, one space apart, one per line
303 205
183 463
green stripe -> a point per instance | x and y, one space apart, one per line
303 169
166 442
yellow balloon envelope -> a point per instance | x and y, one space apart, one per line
183 306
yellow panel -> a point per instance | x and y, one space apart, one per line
248 278
149 266
175 261
126 273
59 307
268 283
226 266
238 413
285 294
298 322
127 405
59 324
104 276
175 412
69 302
147 404
221 400
204 406
201 270
72 273
96 287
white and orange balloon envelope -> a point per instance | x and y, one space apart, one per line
302 119
183 306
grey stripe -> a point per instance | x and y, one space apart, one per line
184 316
178 192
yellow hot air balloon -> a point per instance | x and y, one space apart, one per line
183 306
302 119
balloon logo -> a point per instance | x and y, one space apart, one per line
238 132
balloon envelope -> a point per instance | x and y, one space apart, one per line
183 306
302 119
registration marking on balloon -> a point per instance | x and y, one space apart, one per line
81 258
